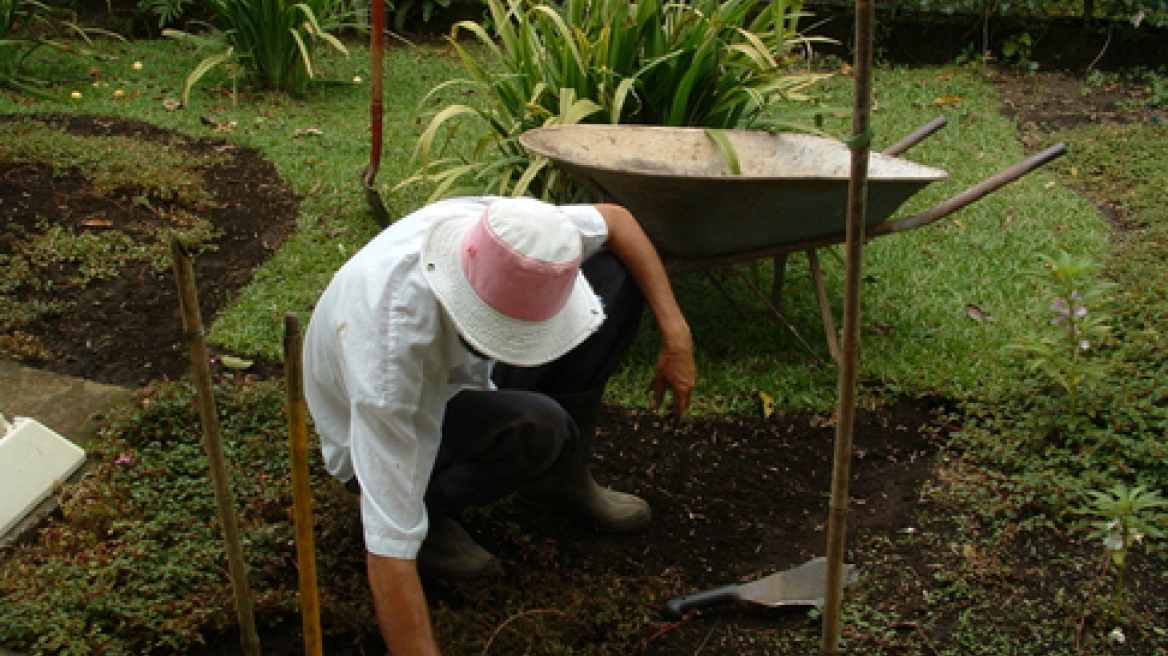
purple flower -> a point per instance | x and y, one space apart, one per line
124 460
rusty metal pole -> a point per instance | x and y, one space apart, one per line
301 487
213 445
860 144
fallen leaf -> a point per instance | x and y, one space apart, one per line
977 314
949 100
97 223
306 132
766 403
235 364
171 104
222 126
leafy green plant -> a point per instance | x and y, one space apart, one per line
1017 49
1157 85
167 11
27 26
406 11
1059 350
270 40
1126 515
706 63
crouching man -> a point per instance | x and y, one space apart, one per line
461 357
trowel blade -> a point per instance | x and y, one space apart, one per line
803 585
799 586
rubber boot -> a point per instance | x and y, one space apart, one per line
448 552
451 554
569 487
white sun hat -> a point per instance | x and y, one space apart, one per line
510 279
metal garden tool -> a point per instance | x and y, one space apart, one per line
376 110
799 586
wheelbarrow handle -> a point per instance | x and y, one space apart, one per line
974 193
923 132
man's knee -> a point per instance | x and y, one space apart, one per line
541 430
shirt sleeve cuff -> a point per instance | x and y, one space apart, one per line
391 547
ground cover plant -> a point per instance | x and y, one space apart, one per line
964 547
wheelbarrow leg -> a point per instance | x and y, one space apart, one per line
824 304
766 300
713 278
779 279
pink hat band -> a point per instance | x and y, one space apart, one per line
515 284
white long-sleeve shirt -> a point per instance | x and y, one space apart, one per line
381 359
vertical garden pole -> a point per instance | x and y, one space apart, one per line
860 144
301 488
213 445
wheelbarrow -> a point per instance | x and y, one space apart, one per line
710 202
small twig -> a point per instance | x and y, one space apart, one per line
1101 51
509 620
705 640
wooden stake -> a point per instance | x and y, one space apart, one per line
860 144
213 445
301 489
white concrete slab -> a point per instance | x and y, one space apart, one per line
33 460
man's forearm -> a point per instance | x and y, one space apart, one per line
401 607
632 246
675 365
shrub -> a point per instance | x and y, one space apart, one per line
27 26
703 63
272 41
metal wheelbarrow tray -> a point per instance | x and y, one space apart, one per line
790 192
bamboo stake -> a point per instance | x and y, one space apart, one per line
213 445
301 490
860 144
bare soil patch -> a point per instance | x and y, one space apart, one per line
127 330
1044 103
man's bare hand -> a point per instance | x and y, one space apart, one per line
677 373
